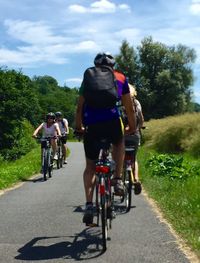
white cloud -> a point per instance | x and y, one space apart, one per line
124 7
77 9
37 43
195 7
101 7
29 56
32 32
86 46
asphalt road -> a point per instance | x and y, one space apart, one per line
42 222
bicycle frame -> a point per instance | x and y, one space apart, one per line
47 165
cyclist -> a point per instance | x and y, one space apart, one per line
64 128
135 138
101 123
49 129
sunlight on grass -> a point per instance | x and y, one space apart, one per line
12 172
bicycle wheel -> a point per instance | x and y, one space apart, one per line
61 157
58 155
104 222
50 163
128 183
44 163
110 204
103 209
97 202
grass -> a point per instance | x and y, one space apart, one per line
178 199
19 170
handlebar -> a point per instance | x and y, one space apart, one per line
78 135
45 138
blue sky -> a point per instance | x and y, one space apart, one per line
61 37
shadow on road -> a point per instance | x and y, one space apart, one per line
81 246
35 180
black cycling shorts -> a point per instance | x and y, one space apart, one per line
64 139
112 130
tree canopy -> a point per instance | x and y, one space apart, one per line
162 75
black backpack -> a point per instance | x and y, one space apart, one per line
100 87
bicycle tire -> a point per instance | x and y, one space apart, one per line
58 156
97 203
129 189
44 163
109 202
104 223
61 157
50 163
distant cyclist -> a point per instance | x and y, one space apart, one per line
64 128
97 123
49 129
135 138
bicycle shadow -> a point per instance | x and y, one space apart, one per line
39 179
120 207
84 245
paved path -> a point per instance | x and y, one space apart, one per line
42 222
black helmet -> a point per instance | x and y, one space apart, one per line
58 114
50 115
104 59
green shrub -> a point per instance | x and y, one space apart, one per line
172 166
22 143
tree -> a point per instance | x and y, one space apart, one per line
18 102
53 98
126 61
162 75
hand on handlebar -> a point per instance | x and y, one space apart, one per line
78 133
128 131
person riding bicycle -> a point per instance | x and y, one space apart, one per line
49 129
99 124
134 139
64 128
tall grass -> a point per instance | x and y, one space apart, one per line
174 134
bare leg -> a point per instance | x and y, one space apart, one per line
118 157
64 150
89 179
137 184
136 176
54 146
